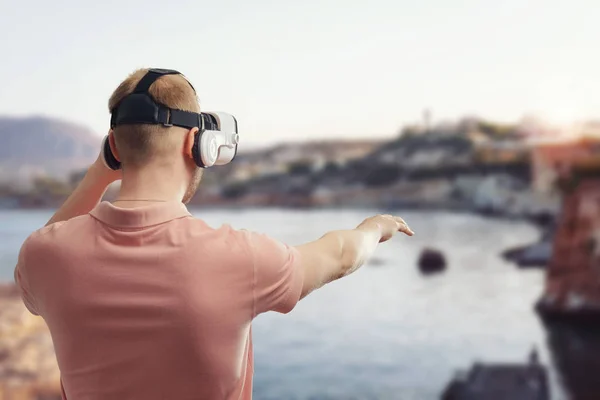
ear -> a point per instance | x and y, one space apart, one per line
189 142
113 146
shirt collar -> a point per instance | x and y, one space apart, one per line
139 217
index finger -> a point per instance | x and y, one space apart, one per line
404 226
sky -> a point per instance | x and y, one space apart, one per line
292 70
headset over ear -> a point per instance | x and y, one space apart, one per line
216 141
107 155
217 138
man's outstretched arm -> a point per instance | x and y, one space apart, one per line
88 193
339 253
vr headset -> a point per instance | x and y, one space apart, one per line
215 143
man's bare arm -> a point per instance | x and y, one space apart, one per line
339 253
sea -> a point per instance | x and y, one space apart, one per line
386 331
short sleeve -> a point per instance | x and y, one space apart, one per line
22 280
278 276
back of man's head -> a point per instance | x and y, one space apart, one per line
139 144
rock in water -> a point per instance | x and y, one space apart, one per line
432 261
536 255
501 382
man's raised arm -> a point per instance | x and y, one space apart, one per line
88 193
339 253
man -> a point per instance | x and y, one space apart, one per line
144 301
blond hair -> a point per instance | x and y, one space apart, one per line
137 144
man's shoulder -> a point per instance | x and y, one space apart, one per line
234 239
225 233
51 233
259 244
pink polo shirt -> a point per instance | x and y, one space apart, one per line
150 303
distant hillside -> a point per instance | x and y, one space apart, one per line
312 150
281 158
34 145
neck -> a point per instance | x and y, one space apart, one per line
151 184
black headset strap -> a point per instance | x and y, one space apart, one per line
184 119
152 75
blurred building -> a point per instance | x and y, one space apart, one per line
433 149
573 278
502 151
551 158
